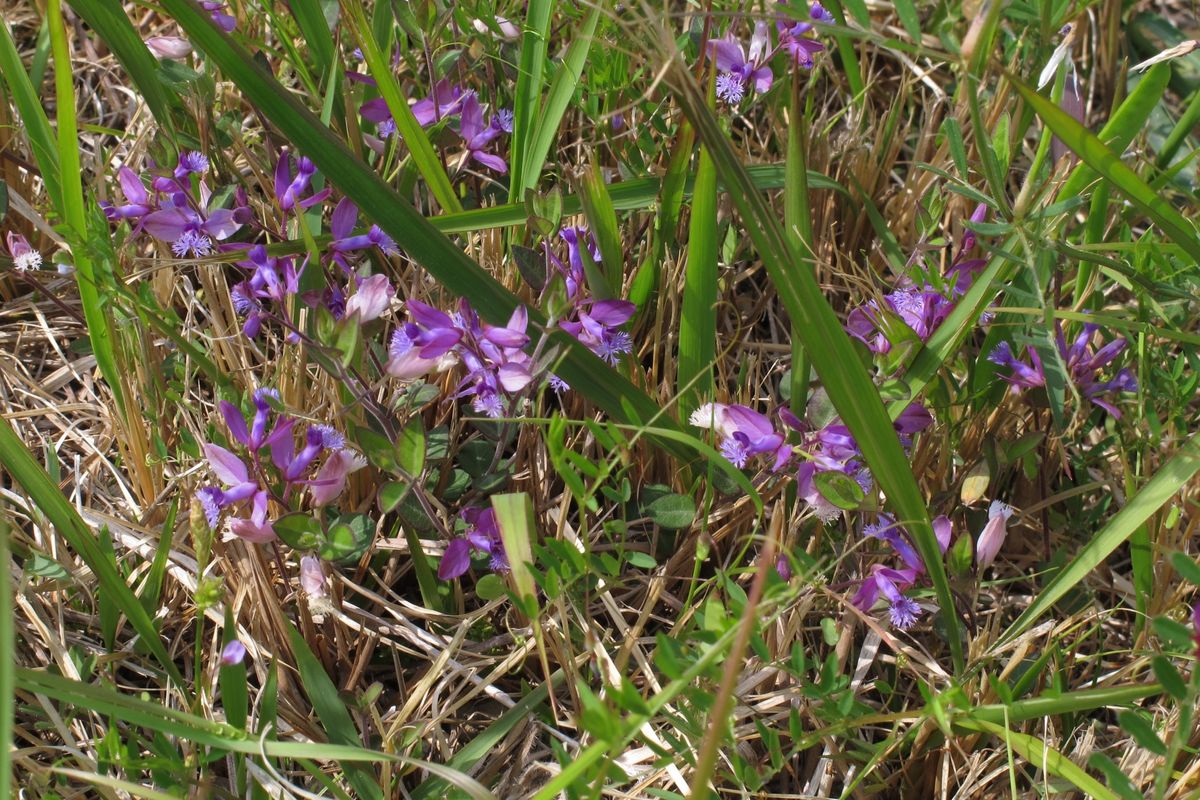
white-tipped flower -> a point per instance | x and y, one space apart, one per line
991 538
331 478
24 257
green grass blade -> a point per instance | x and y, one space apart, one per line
833 356
209 733
1126 122
33 116
111 24
1168 480
526 102
602 220
74 211
423 154
1108 164
698 315
586 373
1069 703
66 521
8 651
632 195
797 222
562 89
1044 757
317 35
332 712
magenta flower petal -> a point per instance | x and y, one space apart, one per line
456 560
227 466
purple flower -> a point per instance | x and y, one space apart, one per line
233 653
445 100
137 199
1083 367
737 69
482 536
256 528
24 256
423 344
598 328
373 297
190 229
496 364
169 47
744 433
191 162
273 279
288 189
922 310
992 537
476 136
341 227
889 583
312 577
792 38
331 478
573 271
223 20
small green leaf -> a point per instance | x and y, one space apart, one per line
960 557
410 449
1137 726
671 511
490 587
1117 780
532 266
1187 568
640 560
1169 677
299 531
44 567
348 538
1174 633
840 489
391 494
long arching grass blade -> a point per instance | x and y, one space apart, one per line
1169 479
847 383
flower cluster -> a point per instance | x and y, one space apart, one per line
739 69
597 324
249 479
481 536
445 102
892 582
744 434
921 308
1083 367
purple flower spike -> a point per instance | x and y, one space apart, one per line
889 583
476 136
1082 365
288 190
738 69
482 536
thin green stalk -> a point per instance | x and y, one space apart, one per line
797 219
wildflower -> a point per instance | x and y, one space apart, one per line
273 279
792 38
189 163
169 47
783 567
191 230
331 478
312 577
922 310
476 136
495 362
737 69
373 297
316 439
991 538
744 433
256 528
426 343
24 256
1083 366
232 472
572 271
288 190
598 328
445 100
890 583
233 653
341 227
1196 627
482 536
508 31
503 120
223 20
137 199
